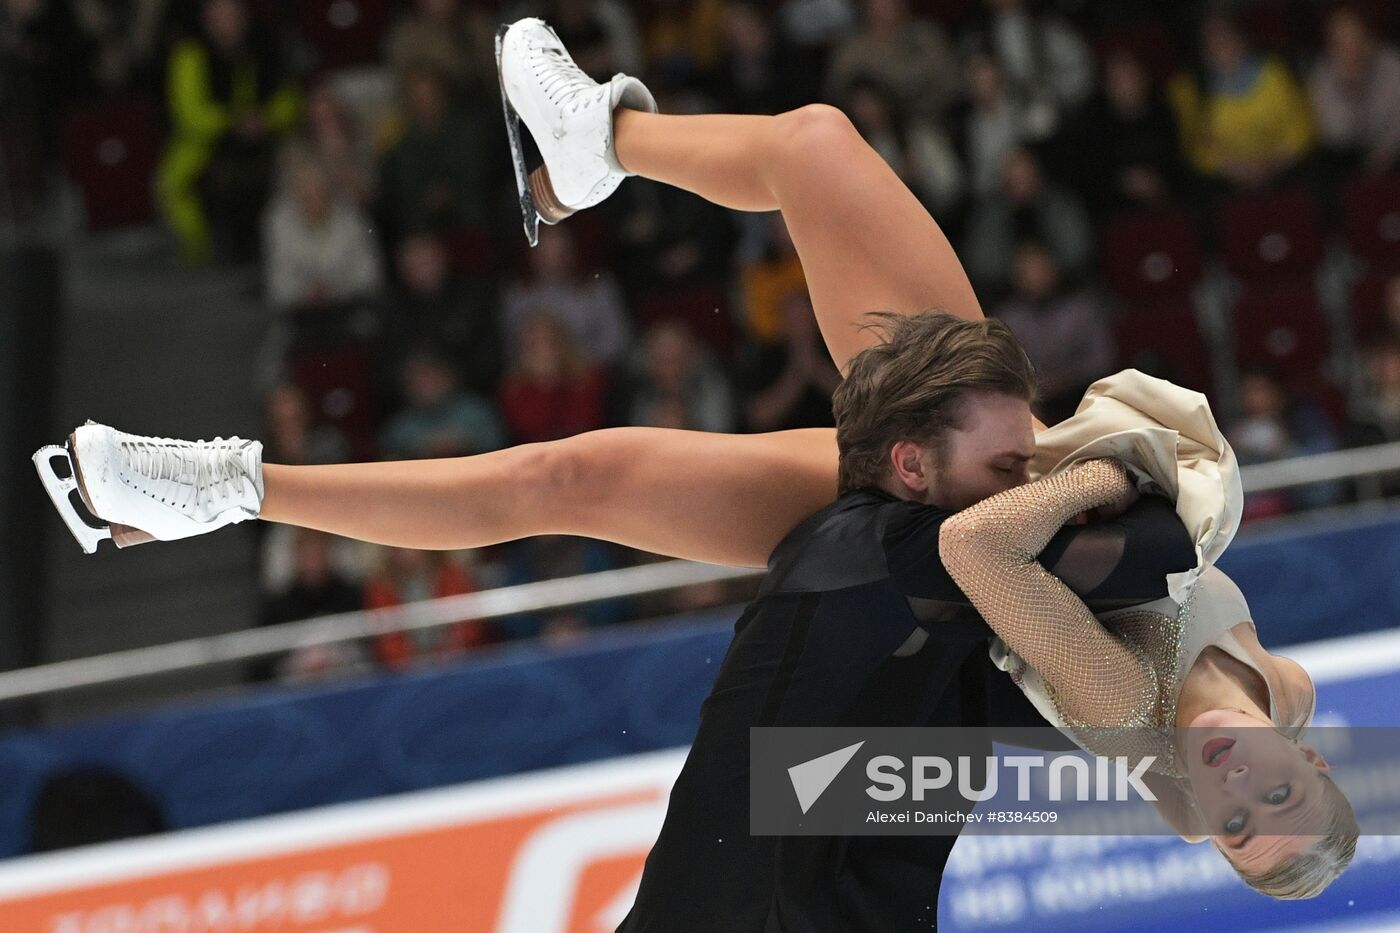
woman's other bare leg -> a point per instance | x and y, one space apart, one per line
721 498
865 241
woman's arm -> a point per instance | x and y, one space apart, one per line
990 550
720 498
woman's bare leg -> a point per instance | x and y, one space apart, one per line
865 241
866 244
721 498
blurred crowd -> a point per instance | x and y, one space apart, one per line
1208 192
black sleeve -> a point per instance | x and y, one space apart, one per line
1122 562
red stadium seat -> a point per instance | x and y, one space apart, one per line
339 381
1148 40
1371 208
1283 327
110 151
1272 238
1368 306
1153 257
471 252
704 310
344 32
1165 340
950 13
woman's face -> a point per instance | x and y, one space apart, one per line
1222 46
226 23
869 111
984 81
1126 82
670 359
1020 177
1260 794
324 114
1348 41
541 350
552 259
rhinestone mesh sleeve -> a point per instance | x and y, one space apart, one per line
990 550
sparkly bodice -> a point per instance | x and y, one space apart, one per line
1112 681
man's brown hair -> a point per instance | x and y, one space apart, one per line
913 386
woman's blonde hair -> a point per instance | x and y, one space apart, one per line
1308 874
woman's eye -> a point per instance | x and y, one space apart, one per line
1234 825
1279 794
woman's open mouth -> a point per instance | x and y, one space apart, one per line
1216 752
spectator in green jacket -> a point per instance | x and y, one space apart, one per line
229 102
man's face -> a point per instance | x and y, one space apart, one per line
989 454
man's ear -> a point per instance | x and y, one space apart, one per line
906 462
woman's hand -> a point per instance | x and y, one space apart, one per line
1117 507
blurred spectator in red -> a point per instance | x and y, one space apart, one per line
912 145
452 38
912 57
1244 120
601 35
318 247
438 305
405 576
438 419
770 281
679 386
293 435
1065 332
433 178
788 383
590 306
1355 89
1126 149
333 137
1026 208
1047 65
990 126
551 390
229 102
316 589
1275 423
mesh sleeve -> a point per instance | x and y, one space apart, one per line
990 550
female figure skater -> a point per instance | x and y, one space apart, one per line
865 243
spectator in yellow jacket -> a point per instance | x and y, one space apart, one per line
229 102
1244 119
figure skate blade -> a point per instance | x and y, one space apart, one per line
528 211
55 466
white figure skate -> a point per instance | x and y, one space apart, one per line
132 489
569 116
